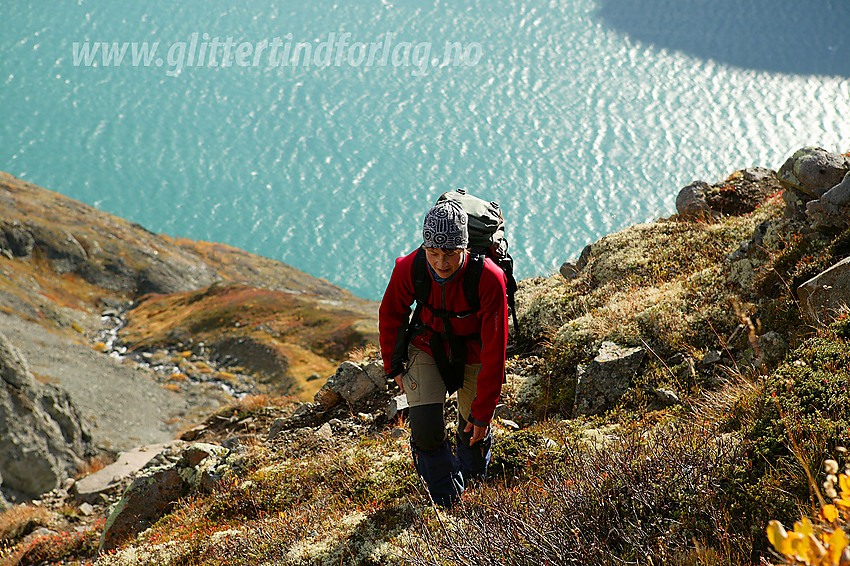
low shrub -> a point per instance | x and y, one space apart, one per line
644 498
790 424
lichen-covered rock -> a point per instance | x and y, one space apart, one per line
16 239
352 384
795 203
831 212
147 499
200 468
42 441
814 170
603 382
741 193
113 477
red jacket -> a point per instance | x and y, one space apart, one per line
491 321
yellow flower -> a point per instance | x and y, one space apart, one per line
829 513
836 542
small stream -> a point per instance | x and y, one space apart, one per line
114 321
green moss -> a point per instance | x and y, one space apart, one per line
841 327
782 315
560 366
514 455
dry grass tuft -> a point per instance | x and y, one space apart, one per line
21 520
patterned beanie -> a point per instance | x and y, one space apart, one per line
445 226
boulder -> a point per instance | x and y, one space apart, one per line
691 202
16 239
569 271
826 292
742 192
153 494
62 250
795 204
352 384
42 441
757 174
147 499
831 212
603 382
667 397
814 170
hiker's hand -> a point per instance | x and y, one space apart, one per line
478 432
400 384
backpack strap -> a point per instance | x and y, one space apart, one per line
421 280
422 289
472 279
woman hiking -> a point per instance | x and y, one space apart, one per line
455 341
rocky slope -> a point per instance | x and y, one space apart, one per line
147 333
670 391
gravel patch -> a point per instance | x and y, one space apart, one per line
120 401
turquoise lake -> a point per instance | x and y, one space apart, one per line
580 117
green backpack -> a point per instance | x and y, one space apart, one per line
487 237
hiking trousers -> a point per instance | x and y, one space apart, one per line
446 473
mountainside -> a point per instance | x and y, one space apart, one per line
673 390
150 333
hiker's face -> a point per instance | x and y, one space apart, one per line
444 262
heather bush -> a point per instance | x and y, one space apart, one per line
655 497
21 520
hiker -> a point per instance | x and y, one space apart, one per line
447 346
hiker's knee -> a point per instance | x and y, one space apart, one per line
427 426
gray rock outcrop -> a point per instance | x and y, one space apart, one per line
603 382
741 193
570 270
151 495
109 478
105 262
826 292
813 170
831 212
42 441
